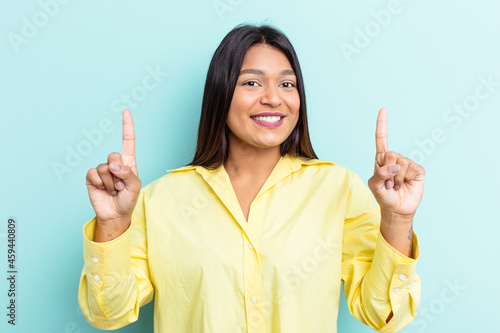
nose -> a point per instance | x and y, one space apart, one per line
271 96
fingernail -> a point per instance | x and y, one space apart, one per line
388 184
119 186
114 193
114 167
394 168
396 187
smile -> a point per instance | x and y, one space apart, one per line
268 121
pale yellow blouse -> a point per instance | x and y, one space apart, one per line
313 224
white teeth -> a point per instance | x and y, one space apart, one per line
268 119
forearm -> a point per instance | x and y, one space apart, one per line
114 283
385 296
398 232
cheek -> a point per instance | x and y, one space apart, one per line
293 101
236 110
294 105
242 102
235 117
232 121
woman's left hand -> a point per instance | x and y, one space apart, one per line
398 182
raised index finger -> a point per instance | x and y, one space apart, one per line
381 132
128 147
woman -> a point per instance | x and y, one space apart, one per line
256 233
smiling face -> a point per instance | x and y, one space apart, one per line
265 105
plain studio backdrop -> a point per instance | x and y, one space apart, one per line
68 68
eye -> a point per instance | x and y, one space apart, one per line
250 84
289 85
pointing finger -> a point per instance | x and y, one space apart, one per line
128 147
381 132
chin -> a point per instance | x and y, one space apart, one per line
271 140
268 145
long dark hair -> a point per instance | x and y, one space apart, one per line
222 76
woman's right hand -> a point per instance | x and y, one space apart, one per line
114 186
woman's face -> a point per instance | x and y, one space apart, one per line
265 106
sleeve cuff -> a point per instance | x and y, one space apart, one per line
105 263
391 272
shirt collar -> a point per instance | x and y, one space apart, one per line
218 180
294 163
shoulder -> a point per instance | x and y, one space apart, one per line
323 172
173 179
317 165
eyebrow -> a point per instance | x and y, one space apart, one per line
261 72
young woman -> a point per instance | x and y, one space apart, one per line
256 233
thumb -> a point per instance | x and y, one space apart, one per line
126 174
384 176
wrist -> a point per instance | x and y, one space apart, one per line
398 232
396 219
109 230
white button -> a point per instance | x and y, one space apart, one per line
95 260
397 290
250 246
96 277
402 276
253 299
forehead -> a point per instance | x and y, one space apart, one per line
263 56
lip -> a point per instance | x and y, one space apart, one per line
268 125
262 114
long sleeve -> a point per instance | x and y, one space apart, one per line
115 280
377 278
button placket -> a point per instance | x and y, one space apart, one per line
253 288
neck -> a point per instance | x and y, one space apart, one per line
248 161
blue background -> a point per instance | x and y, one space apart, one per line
67 67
